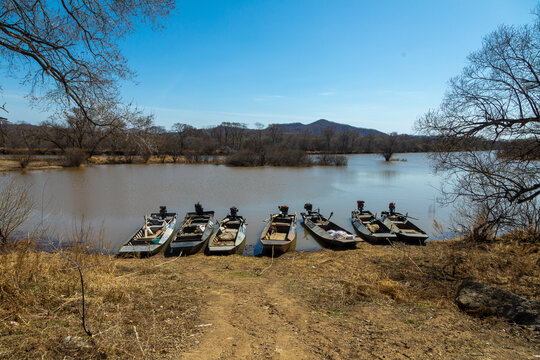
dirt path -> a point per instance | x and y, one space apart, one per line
249 316
261 311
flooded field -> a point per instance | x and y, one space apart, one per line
114 198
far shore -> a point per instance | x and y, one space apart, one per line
10 163
47 162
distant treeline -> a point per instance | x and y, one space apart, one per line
78 140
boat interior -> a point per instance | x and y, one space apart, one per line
193 231
365 217
330 226
408 227
279 229
149 232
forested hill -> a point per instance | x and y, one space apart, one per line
318 127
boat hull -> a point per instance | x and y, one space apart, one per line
325 238
236 248
129 249
383 236
189 242
404 229
274 246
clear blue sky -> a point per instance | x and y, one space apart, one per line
374 64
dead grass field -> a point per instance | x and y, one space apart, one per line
375 302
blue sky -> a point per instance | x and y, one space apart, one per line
374 64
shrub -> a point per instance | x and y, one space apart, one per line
23 160
331 160
243 158
288 157
74 157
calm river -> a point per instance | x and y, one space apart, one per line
115 198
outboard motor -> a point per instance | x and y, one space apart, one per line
392 207
163 212
284 210
198 208
234 211
360 205
308 207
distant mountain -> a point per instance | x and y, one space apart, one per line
318 127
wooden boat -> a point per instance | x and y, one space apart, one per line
196 230
156 232
327 232
230 237
404 229
369 227
280 232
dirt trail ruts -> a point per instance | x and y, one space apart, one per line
250 316
256 308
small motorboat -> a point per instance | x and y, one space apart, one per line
327 232
156 232
369 227
280 232
196 230
404 229
230 237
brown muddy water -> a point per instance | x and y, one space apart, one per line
114 198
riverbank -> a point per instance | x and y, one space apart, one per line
54 162
373 302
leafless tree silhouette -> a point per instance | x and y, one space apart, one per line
69 48
494 104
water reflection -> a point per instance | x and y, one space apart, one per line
117 196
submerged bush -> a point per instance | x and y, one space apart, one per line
24 159
244 158
74 157
288 157
331 160
282 157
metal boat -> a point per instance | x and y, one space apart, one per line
404 229
156 232
327 232
280 232
369 227
195 232
230 237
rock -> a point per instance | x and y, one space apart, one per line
483 300
77 341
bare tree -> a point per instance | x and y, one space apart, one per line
328 134
237 133
69 48
276 133
3 131
494 104
16 206
74 131
389 146
182 132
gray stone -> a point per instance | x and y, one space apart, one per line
484 300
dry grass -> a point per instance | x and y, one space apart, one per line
154 308
35 163
43 163
134 307
167 159
427 275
